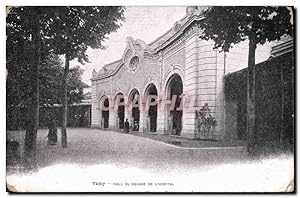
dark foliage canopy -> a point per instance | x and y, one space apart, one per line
67 29
62 30
232 24
51 74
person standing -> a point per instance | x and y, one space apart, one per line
126 126
52 135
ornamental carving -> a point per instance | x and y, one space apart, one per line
196 10
134 64
128 54
176 27
133 55
138 47
94 73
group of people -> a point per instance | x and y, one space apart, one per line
134 126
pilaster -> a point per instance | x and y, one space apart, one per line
95 122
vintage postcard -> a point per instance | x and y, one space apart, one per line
193 99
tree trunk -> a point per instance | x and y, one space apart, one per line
33 110
65 103
251 98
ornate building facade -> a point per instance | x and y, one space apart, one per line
176 64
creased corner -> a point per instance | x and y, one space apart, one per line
290 186
8 9
11 188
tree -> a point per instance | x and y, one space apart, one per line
21 79
206 122
50 78
231 25
71 30
67 31
23 30
51 81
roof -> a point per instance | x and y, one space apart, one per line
161 41
282 48
168 34
109 67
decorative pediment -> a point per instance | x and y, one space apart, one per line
196 10
94 73
133 54
137 53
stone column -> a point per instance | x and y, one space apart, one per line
100 118
126 113
112 119
142 116
95 122
190 88
161 118
129 115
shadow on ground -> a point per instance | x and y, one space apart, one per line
93 147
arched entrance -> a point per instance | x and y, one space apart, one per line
134 110
120 104
105 113
175 89
151 115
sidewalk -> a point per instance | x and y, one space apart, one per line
185 142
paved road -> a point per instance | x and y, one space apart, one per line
102 156
94 146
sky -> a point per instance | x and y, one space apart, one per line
145 23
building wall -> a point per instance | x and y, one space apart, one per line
200 67
274 104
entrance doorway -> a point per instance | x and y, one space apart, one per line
105 114
152 112
121 110
175 89
135 110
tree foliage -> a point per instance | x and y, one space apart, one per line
23 29
227 26
206 123
51 76
67 31
232 24
51 80
72 29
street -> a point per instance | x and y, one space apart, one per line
98 160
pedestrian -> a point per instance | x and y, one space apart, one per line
52 134
126 126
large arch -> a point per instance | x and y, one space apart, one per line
119 105
174 88
134 109
151 110
104 106
174 69
150 80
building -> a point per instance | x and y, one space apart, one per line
179 64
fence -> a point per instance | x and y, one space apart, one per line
274 104
78 116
